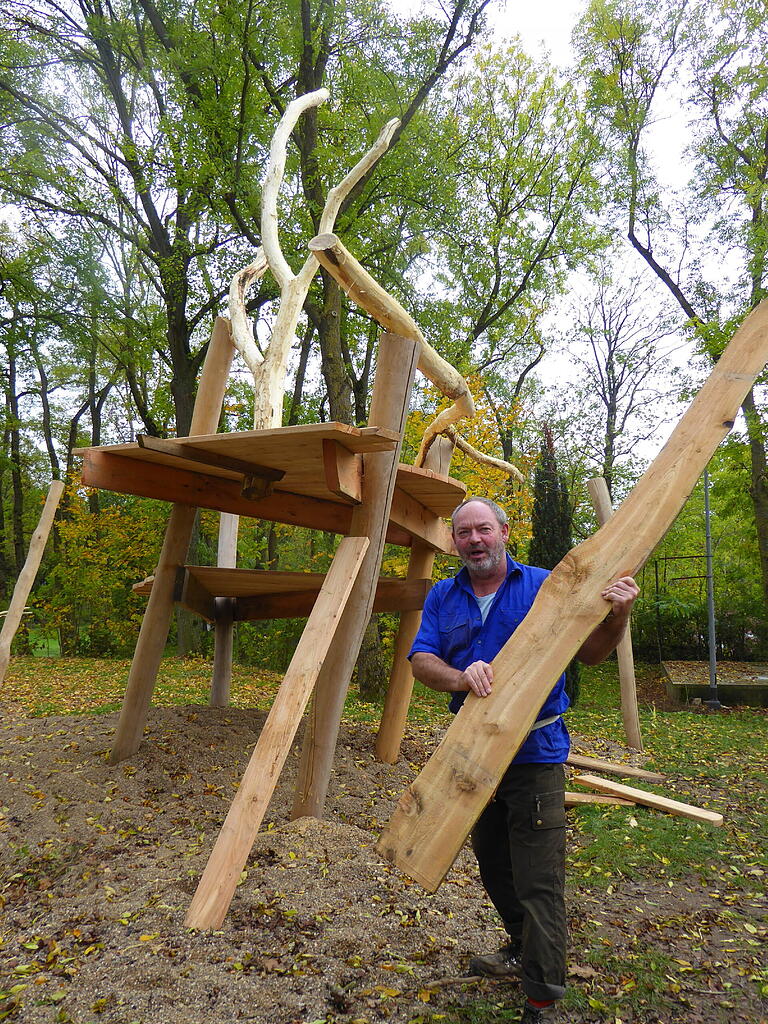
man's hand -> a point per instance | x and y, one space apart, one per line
478 678
622 594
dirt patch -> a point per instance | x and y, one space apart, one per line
99 864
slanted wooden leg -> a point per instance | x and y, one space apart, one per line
157 617
601 499
28 573
389 408
400 688
221 677
217 885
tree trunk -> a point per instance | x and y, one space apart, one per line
334 371
372 670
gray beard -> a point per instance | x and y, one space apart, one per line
486 566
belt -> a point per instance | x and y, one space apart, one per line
544 721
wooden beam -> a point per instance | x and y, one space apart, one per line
157 616
389 407
577 799
181 486
26 577
438 810
194 597
601 500
659 803
400 686
625 770
219 880
343 471
258 481
152 480
421 523
391 596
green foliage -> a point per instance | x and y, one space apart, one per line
87 596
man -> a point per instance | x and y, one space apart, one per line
519 839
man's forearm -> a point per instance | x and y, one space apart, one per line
436 674
603 640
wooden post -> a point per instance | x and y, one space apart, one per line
157 617
438 810
601 499
27 575
400 688
324 627
221 677
389 408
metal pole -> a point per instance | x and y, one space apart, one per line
713 701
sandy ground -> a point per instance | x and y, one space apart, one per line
99 864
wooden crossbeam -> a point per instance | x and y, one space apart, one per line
625 770
127 475
659 803
391 596
258 480
217 884
261 594
438 810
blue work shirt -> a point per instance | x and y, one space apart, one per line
453 630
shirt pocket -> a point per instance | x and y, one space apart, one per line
506 621
455 638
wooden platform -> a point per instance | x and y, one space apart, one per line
261 594
309 475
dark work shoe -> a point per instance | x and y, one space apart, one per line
539 1014
505 963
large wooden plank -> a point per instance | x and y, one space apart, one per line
625 770
438 810
217 884
659 803
601 500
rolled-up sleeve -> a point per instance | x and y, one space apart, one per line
428 636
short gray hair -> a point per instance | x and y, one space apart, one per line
498 511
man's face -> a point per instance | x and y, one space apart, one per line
479 539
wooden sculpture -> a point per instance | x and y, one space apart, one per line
436 813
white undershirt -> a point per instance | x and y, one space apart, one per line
484 604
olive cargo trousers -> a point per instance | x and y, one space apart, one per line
519 842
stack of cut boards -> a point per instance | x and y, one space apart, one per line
609 792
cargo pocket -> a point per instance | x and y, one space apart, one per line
548 811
